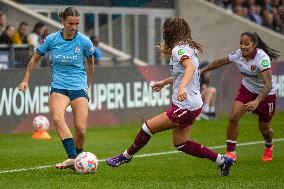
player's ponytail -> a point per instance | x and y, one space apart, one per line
273 54
60 14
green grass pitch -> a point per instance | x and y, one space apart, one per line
22 159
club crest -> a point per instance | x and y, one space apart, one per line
77 50
253 68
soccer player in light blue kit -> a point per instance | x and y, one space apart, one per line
69 81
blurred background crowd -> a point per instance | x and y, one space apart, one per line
22 34
268 13
33 36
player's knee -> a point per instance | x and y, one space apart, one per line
212 90
57 119
233 119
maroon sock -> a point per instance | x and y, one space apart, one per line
197 150
140 141
231 146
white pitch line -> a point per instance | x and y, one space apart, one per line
144 155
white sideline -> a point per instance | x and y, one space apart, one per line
143 155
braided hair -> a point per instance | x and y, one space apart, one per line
69 11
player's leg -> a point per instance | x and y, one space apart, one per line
182 143
236 113
267 134
152 126
265 112
206 103
80 113
208 96
58 104
212 100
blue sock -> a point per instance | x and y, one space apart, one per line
78 151
69 146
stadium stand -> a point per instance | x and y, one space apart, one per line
266 13
116 26
19 11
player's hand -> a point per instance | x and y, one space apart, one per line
23 86
251 106
157 86
181 95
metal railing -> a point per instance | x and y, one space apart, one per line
135 31
14 56
18 56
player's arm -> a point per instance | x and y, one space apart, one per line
32 64
157 86
90 70
215 64
189 69
168 81
267 79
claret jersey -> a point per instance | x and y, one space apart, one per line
193 100
67 59
251 70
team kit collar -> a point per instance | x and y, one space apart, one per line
61 33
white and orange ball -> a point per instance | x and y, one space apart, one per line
86 163
40 123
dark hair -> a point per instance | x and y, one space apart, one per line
38 26
273 54
23 24
95 40
176 31
69 11
7 27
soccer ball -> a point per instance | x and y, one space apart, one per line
40 123
86 163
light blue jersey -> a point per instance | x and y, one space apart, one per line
67 59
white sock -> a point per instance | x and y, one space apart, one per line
206 108
146 129
220 159
212 109
127 155
232 141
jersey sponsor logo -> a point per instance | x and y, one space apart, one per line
181 51
248 75
265 63
66 58
253 68
77 49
